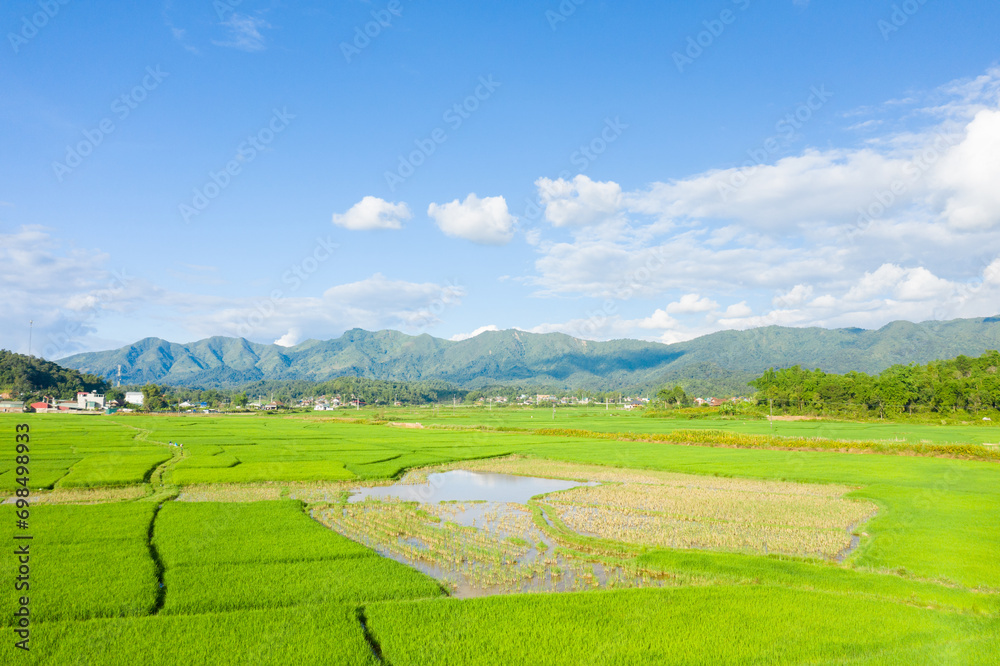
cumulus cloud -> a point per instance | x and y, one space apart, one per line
971 171
902 225
458 337
578 202
290 339
797 295
485 221
691 304
373 213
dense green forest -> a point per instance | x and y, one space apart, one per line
960 384
27 377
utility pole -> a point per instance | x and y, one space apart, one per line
770 402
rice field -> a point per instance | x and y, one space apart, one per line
703 625
147 553
499 551
89 562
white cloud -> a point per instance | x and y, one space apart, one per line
373 213
738 310
485 221
692 304
290 339
74 298
467 336
902 225
374 303
971 171
65 292
797 295
244 32
579 202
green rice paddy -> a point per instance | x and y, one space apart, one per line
123 572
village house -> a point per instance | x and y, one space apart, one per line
11 407
134 397
89 401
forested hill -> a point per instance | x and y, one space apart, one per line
720 363
962 383
23 376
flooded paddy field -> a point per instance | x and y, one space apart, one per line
518 525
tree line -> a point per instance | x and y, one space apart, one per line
959 384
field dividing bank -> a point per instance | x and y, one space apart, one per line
722 624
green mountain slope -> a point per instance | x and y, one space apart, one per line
28 376
720 362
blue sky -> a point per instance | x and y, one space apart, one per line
291 170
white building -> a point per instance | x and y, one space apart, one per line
89 400
134 397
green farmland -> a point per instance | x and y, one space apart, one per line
221 550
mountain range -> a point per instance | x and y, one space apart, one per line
717 363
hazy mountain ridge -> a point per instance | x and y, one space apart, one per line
721 361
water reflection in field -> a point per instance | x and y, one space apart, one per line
475 533
463 486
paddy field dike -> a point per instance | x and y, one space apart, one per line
507 536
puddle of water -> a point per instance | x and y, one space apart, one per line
463 486
503 552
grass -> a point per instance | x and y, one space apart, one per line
258 581
216 533
597 419
81 451
321 634
224 556
724 624
212 588
86 561
810 575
